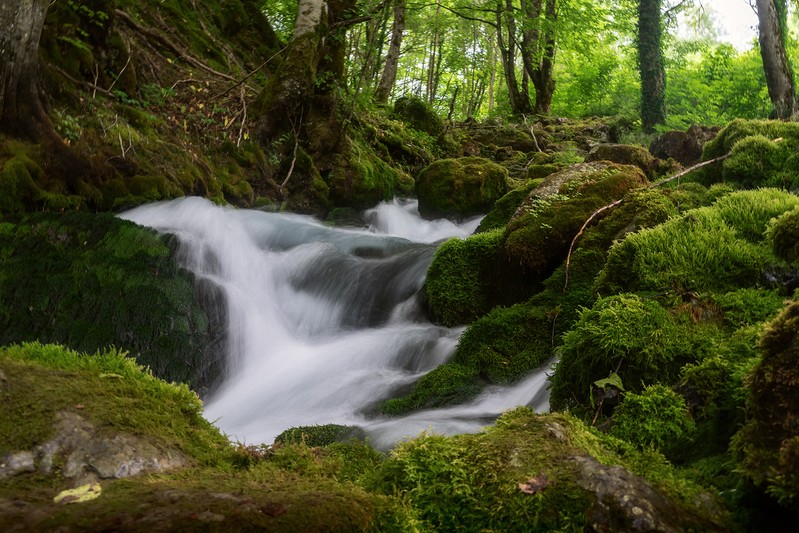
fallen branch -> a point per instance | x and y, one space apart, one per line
617 202
245 78
76 81
243 117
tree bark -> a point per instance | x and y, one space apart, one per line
538 50
392 58
22 111
519 102
779 77
650 63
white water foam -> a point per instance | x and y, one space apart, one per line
324 322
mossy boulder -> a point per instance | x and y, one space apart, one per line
494 135
540 232
783 234
624 154
534 472
447 384
504 208
684 147
769 444
460 187
764 154
721 247
418 115
91 281
320 435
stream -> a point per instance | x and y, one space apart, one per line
324 322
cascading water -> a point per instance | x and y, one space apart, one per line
324 322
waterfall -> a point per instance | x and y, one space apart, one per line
324 322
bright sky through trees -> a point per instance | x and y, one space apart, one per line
736 19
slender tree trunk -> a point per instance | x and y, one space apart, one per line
779 78
392 58
650 61
492 79
519 103
435 45
22 111
542 77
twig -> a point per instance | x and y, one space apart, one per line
245 78
80 82
617 202
535 140
296 130
120 73
243 117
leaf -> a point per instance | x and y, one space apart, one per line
535 484
84 493
614 380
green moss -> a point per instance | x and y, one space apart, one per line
320 435
460 187
747 307
783 234
624 154
463 276
769 444
118 285
446 384
657 417
504 208
717 248
418 114
634 337
763 154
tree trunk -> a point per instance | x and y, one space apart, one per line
650 61
779 77
538 50
22 111
392 59
519 103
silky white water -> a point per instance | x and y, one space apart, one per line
325 322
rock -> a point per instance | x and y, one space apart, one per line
419 115
12 464
623 154
461 187
623 501
683 146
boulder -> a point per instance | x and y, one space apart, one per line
684 147
461 187
623 154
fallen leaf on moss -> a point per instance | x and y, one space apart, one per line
84 493
535 484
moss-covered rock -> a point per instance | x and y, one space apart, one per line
539 473
623 154
320 435
764 154
783 233
539 234
90 281
721 247
504 208
419 115
447 384
460 187
769 444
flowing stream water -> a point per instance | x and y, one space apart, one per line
324 322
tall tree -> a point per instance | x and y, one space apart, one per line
771 15
22 110
517 97
538 49
650 63
389 76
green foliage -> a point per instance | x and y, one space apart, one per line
783 233
717 248
461 187
90 281
657 417
320 435
747 307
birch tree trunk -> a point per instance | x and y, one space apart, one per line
779 77
22 111
392 58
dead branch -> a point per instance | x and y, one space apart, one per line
532 133
617 202
245 78
243 117
296 131
169 45
76 81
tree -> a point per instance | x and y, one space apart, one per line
389 76
771 15
517 96
538 49
22 111
650 64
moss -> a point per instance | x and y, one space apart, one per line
539 234
446 384
118 285
747 307
783 234
455 291
419 115
625 334
504 208
767 445
475 482
460 187
657 417
624 154
717 248
763 154
320 435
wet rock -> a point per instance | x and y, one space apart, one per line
12 464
